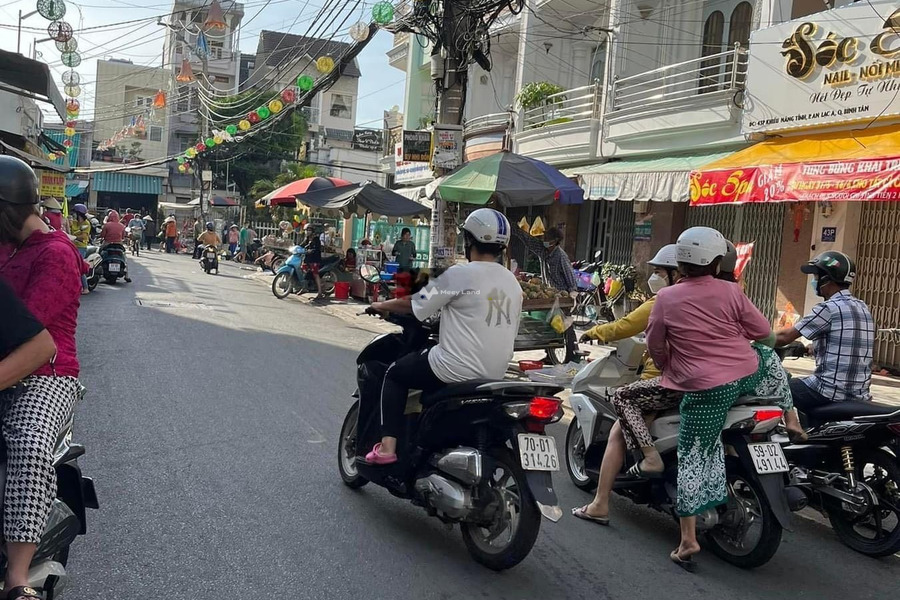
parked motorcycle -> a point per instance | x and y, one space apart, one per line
209 259
474 453
113 264
67 518
849 469
94 260
272 259
294 277
746 531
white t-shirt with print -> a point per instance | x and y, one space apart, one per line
481 305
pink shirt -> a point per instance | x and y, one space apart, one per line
113 232
698 334
233 237
45 273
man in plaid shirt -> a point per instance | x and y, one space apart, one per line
843 333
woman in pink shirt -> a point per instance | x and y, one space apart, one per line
698 336
113 231
44 270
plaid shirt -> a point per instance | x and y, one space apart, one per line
559 268
843 331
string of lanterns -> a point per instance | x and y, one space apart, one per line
61 32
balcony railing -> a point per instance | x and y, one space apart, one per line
486 124
311 113
722 72
578 104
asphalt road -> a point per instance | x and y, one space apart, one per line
211 428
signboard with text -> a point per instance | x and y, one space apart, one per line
416 146
408 171
448 147
367 139
53 184
831 67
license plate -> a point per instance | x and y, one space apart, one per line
113 267
538 452
768 458
210 255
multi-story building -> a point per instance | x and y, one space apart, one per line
124 109
216 63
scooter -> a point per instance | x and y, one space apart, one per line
113 264
67 520
209 260
746 531
294 277
474 453
94 260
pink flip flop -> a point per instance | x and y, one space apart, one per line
375 457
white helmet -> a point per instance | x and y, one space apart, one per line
665 258
488 226
700 246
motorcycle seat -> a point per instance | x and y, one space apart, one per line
842 411
489 387
753 400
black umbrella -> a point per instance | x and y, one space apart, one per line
368 195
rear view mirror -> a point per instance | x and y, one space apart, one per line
369 273
598 254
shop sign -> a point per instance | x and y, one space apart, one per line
871 180
448 147
744 252
409 171
416 146
643 229
836 66
367 139
829 234
53 184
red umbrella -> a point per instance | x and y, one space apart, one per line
287 194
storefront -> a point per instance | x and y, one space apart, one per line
824 90
119 190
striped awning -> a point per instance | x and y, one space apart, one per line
127 183
75 188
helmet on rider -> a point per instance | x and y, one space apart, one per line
18 197
831 267
664 260
210 226
487 230
80 209
728 264
699 250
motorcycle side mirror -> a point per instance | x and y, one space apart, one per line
598 255
369 274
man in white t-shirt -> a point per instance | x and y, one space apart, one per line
480 304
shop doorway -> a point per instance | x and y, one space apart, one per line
611 230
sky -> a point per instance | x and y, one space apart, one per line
380 87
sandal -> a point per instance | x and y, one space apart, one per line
687 564
22 591
797 437
581 513
637 472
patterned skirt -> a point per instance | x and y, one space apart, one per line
701 456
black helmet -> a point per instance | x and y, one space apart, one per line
18 183
729 261
210 226
833 265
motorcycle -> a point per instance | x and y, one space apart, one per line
134 240
113 264
294 277
209 260
67 519
591 303
272 259
94 260
849 471
746 530
474 453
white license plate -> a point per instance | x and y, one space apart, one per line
768 458
114 267
210 255
538 452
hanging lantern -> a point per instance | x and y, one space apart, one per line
215 18
288 95
71 78
182 168
324 64
383 12
52 10
61 33
210 142
218 139
253 117
159 100
202 47
185 74
51 156
69 131
200 147
263 112
67 143
275 106
72 90
305 82
359 31
72 105
190 152
70 123
244 124
72 114
230 129
180 160
71 59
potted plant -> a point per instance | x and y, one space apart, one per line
540 94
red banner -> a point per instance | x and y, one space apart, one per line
871 180
744 254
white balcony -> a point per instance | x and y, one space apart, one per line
698 94
565 129
397 56
492 123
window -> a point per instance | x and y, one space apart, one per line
713 30
251 65
156 133
739 25
598 64
216 50
184 143
182 94
341 106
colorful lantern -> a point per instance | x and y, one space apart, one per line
244 124
69 131
182 168
383 12
180 160
190 152
52 10
218 139
61 33
185 74
288 95
72 91
159 100
71 78
231 129
263 112
215 18
71 59
359 31
305 82
67 143
324 64
253 117
200 147
210 142
275 106
70 123
72 105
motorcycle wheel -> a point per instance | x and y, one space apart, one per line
347 450
867 533
276 264
282 285
752 517
328 281
93 279
556 356
110 279
508 539
584 313
575 450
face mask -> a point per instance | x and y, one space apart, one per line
548 244
656 283
814 284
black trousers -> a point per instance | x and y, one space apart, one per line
410 372
149 241
805 397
